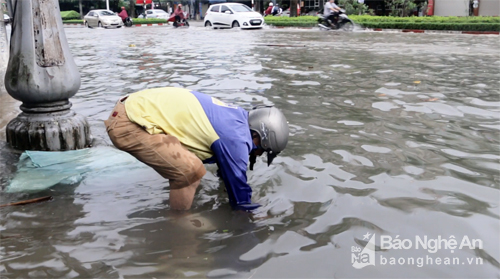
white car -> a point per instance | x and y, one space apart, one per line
230 15
156 13
6 19
102 18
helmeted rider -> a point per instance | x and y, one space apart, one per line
175 131
269 9
331 12
277 10
178 15
123 14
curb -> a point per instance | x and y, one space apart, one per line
408 30
134 25
436 31
151 24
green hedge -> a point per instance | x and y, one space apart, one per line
388 22
73 21
434 26
435 19
68 15
301 21
135 21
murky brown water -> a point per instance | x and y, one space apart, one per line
395 135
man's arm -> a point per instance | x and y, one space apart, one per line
232 162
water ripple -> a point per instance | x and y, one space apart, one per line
386 137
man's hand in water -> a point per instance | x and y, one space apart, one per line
247 207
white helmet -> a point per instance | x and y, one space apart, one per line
270 4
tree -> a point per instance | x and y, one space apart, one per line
132 8
353 7
401 7
293 8
81 8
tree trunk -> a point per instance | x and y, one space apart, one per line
81 8
293 8
132 8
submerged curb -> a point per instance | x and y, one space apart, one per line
436 31
134 25
151 24
408 30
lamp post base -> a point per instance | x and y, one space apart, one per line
52 131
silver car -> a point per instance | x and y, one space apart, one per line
156 13
102 18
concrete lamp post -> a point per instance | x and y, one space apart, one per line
3 50
42 75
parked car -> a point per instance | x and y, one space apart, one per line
230 15
6 19
102 18
156 13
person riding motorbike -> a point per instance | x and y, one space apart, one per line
269 9
277 11
127 21
178 16
331 12
123 14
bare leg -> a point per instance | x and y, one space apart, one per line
182 199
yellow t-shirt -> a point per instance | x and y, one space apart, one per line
154 110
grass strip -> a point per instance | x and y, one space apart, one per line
433 26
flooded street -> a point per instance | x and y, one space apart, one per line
392 134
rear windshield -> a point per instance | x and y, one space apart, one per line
241 8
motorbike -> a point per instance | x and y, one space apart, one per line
128 22
181 23
343 22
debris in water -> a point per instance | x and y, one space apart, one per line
28 201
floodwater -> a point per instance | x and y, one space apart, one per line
391 134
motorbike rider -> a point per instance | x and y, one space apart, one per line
178 15
269 9
123 14
277 11
331 12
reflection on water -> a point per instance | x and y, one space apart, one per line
392 134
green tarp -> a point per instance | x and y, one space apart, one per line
39 170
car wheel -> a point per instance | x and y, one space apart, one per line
208 24
86 24
235 24
99 24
